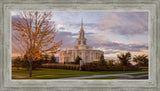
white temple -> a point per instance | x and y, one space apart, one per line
87 53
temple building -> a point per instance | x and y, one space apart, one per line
85 52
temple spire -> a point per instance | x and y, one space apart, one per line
81 40
81 32
82 22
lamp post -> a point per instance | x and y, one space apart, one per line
67 56
80 65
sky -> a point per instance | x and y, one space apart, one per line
111 32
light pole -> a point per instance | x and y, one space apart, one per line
80 65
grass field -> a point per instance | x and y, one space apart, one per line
43 73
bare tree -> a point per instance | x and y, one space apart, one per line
35 33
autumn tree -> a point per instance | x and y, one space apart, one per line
35 32
141 60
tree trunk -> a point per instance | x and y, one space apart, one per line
123 68
30 71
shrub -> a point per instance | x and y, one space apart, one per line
61 66
93 67
17 62
35 64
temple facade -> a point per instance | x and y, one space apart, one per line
85 52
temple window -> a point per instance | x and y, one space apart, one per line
96 55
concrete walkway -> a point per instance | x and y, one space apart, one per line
126 75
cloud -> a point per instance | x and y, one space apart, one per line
114 46
67 38
60 25
111 51
86 26
61 28
123 47
86 34
125 23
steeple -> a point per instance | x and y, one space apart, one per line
81 23
81 32
81 40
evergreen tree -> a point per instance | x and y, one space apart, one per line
53 59
46 58
77 60
110 62
25 62
102 60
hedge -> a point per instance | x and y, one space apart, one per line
92 67
61 66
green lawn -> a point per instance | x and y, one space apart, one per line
44 73
110 77
139 74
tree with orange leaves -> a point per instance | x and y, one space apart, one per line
35 33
